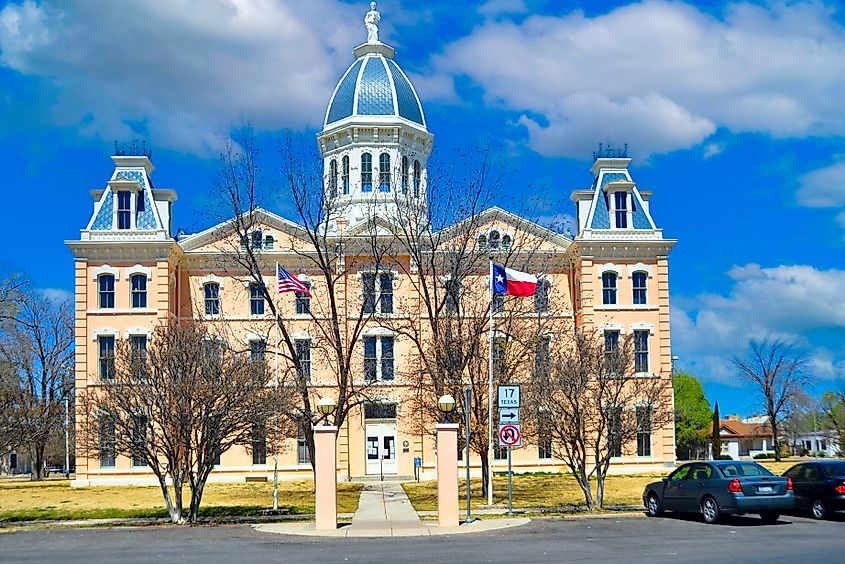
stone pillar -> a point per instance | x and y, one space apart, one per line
325 477
447 475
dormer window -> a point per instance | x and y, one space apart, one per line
124 209
620 201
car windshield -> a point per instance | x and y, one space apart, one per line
835 469
739 469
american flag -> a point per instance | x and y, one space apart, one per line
288 282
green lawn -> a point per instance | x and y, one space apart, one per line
55 499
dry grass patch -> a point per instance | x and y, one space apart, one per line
55 499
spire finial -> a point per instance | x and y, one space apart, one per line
371 21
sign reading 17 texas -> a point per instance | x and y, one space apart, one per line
508 396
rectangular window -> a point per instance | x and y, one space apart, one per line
139 440
641 351
544 447
368 283
138 348
259 443
384 173
302 454
614 435
542 362
257 350
387 358
366 172
344 175
498 303
611 341
452 298
370 359
212 298
608 284
500 453
106 282
107 444
124 209
638 280
386 293
303 354
541 297
621 201
643 431
256 299
303 300
106 357
139 290
499 344
379 410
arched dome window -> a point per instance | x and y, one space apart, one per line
405 173
366 172
506 242
345 174
493 240
384 172
417 178
482 242
333 179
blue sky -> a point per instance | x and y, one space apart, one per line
732 111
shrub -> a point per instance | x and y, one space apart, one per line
725 457
764 456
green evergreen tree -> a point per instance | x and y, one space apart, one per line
716 438
692 414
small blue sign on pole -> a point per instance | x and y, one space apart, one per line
417 467
418 461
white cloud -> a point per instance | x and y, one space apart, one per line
823 188
57 295
789 302
713 149
186 71
660 75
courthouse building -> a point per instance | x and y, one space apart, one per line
132 273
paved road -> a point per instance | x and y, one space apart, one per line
622 539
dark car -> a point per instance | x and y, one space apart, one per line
819 486
721 487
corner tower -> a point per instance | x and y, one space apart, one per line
374 142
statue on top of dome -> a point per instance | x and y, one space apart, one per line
371 20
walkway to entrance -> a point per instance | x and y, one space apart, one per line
385 511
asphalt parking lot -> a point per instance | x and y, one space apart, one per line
621 539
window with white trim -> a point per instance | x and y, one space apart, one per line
544 446
506 242
211 291
405 175
256 299
106 289
303 355
257 350
493 240
302 454
384 172
302 300
108 451
643 413
620 201
139 440
452 297
608 288
124 209
377 291
332 179
259 443
614 431
611 343
366 172
639 280
105 344
417 178
139 290
138 358
482 242
641 350
257 239
378 358
344 174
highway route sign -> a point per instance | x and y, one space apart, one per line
510 435
508 396
508 415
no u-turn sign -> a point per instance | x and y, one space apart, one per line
510 435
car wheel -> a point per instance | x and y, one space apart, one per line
819 509
710 510
653 505
770 517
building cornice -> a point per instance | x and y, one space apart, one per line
124 250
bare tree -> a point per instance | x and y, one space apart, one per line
323 248
779 372
178 406
37 350
592 405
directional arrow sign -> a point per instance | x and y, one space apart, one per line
510 435
508 415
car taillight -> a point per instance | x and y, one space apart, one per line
789 484
840 489
735 487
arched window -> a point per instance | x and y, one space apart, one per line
345 174
333 179
139 290
639 283
417 178
608 288
269 243
257 240
384 172
366 172
211 293
106 283
506 242
493 240
482 242
405 173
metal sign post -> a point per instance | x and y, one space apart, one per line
510 485
467 400
510 431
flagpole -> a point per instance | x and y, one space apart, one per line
490 394
276 423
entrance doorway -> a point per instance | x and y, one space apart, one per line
381 449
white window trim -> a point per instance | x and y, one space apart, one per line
613 327
105 269
209 278
105 332
610 267
133 331
138 269
255 337
642 327
640 267
266 280
302 336
380 332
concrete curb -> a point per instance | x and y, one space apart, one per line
343 530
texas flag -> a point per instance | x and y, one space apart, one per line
513 282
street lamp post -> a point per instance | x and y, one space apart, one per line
325 468
446 404
447 465
326 406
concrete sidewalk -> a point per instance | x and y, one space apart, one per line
385 511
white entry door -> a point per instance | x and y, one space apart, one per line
381 449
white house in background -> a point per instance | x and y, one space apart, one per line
816 443
745 438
